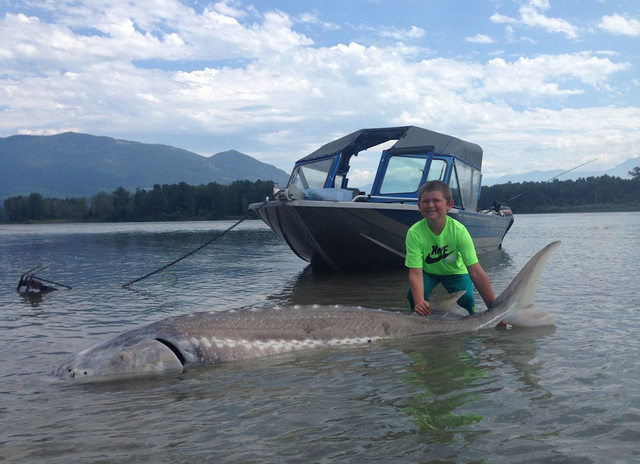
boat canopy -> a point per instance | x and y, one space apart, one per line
408 138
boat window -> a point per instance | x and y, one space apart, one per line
437 170
403 175
468 181
455 189
311 175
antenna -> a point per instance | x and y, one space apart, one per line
548 180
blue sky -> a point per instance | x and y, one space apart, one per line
539 84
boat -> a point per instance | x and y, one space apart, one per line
334 226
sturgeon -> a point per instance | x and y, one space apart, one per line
167 346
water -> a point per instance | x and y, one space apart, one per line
558 394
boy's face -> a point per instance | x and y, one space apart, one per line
433 205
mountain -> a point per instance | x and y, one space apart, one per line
622 170
73 165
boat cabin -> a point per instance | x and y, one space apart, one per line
419 155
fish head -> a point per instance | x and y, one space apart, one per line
115 359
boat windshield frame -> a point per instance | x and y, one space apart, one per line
402 169
315 174
400 174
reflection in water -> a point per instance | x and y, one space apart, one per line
32 299
458 371
384 290
494 261
518 347
447 376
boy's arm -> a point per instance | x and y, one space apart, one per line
416 283
481 280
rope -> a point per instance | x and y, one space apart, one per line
128 284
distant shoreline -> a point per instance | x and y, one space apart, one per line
568 210
63 221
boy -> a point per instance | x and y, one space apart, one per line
440 249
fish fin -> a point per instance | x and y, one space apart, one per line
531 316
521 291
449 304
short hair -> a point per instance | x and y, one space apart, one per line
436 186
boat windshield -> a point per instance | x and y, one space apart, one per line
311 175
465 185
438 170
403 175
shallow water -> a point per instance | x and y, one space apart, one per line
566 393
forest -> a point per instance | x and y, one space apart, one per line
591 194
182 202
175 202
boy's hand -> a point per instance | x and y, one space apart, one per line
423 308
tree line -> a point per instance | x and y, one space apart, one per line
176 202
603 193
183 202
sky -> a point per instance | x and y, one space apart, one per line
538 84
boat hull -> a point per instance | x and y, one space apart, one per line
363 235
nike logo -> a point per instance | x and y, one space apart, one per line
437 254
434 259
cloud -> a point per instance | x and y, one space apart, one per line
403 34
620 25
558 139
544 75
140 33
480 38
309 18
230 9
228 76
531 15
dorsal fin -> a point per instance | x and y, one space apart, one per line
449 304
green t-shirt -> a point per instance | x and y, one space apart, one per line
449 253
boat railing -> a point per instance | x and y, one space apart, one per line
384 198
